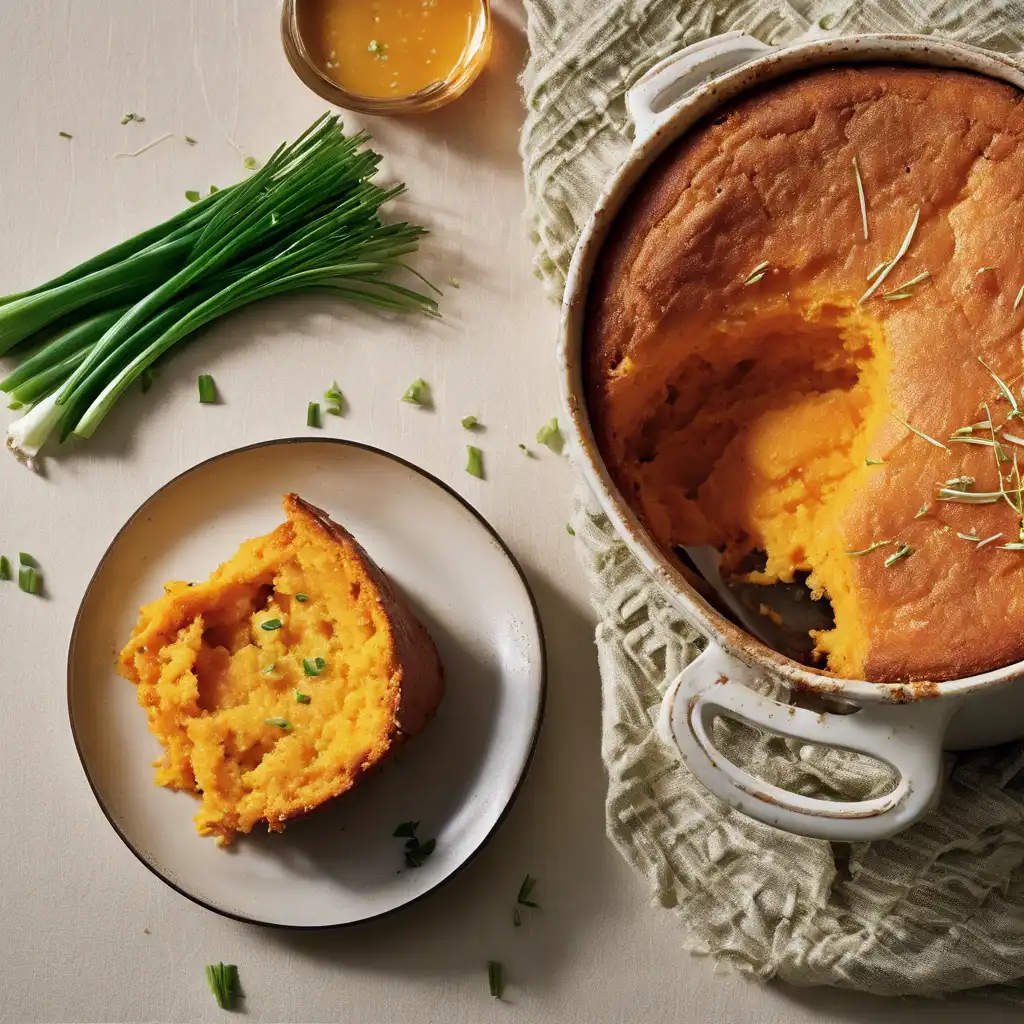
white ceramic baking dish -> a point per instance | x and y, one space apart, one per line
905 725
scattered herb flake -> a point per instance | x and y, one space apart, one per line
193 196
207 389
416 852
496 978
901 252
871 547
474 462
904 551
65 135
1012 547
860 196
920 433
756 274
270 625
551 435
981 270
250 163
302 698
270 668
313 666
960 481
469 422
874 462
1020 297
454 282
874 273
969 536
335 400
406 830
313 414
988 540
190 140
302 598
223 981
569 530
523 899
921 511
281 723
1007 393
418 393
904 291
5 568
128 118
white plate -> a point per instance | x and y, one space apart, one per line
458 777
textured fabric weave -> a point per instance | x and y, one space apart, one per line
936 910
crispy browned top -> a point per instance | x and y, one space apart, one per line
770 179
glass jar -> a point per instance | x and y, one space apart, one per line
455 81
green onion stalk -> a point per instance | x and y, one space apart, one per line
307 220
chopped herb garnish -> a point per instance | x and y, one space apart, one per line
474 462
223 981
65 135
270 668
1012 547
903 551
128 118
302 698
874 273
969 536
860 196
523 899
874 462
496 978
1020 297
313 414
1007 393
313 666
5 568
270 625
469 422
335 400
302 598
902 251
1013 439
756 274
871 547
26 559
207 389
970 497
981 270
988 540
193 196
920 433
281 723
960 481
415 851
904 290
377 49
28 580
551 435
190 140
418 393
921 511
454 282
569 530
249 163
524 449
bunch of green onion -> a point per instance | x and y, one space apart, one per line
307 220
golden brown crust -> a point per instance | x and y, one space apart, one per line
769 178
422 676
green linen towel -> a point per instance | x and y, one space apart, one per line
935 910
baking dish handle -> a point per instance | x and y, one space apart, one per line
656 97
906 736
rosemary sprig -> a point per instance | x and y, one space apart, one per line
988 540
969 497
871 547
904 290
901 252
874 273
860 196
969 536
904 551
756 274
920 433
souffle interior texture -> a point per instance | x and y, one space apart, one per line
746 391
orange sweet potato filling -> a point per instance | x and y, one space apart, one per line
214 682
759 443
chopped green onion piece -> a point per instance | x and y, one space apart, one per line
454 282
418 393
874 462
190 140
302 598
193 196
302 698
28 580
569 530
26 559
903 551
249 163
270 625
551 435
495 978
207 389
335 400
871 547
313 666
281 723
270 668
469 422
132 117
475 462
223 981
213 188
5 568
65 135
416 852
313 414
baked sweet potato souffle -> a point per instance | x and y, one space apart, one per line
803 347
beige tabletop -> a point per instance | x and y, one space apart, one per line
86 932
